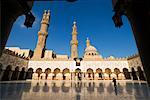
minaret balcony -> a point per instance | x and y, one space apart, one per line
45 21
74 33
74 42
43 33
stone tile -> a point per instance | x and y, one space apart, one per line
73 90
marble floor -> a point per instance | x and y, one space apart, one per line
74 90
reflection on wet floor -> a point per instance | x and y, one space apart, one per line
74 90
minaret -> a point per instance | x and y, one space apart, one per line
42 36
74 42
87 42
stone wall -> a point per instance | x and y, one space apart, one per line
12 65
136 67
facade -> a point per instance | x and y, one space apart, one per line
47 65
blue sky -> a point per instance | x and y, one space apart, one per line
94 20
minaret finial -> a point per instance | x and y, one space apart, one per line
87 38
45 12
48 12
74 28
87 42
74 22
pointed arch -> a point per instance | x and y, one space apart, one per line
39 71
15 74
47 71
126 73
140 73
7 73
29 73
117 72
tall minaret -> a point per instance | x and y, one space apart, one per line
74 42
42 36
87 42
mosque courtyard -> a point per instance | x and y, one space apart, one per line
55 59
74 90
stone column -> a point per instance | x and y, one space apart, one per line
1 75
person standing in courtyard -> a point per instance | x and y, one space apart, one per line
114 81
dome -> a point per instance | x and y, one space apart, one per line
90 48
91 52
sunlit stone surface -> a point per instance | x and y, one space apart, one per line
74 90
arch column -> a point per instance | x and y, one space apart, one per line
7 73
2 73
15 74
29 73
22 74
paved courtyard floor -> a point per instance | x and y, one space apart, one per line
74 90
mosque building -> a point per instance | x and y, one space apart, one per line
43 64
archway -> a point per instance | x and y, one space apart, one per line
56 71
108 71
126 73
99 72
66 73
29 73
7 73
15 74
22 74
39 72
47 71
140 73
134 75
90 74
117 72
78 73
